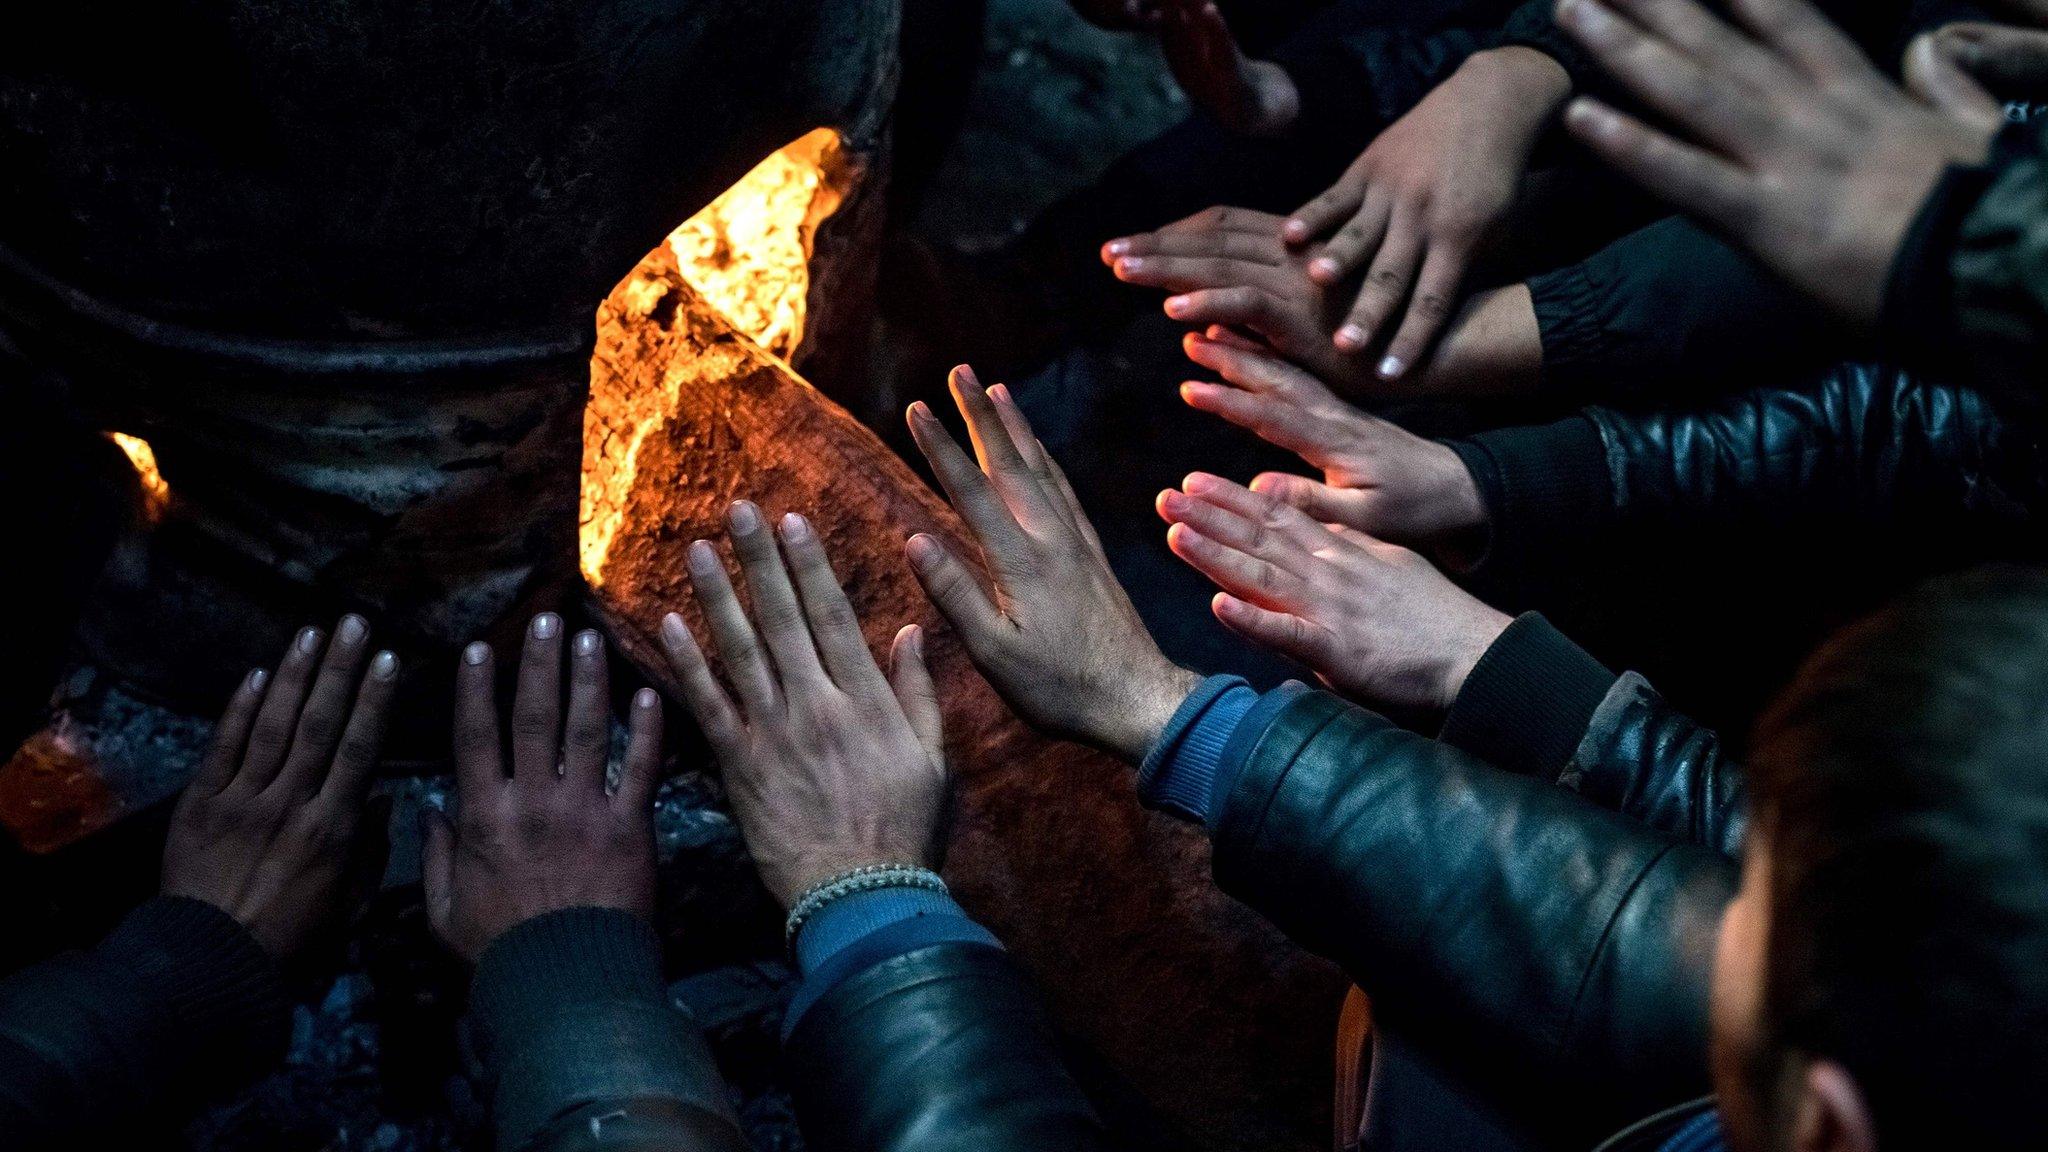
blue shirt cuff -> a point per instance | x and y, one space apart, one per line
858 931
845 920
1178 775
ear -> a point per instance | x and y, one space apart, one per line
1831 1115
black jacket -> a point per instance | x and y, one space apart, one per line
1543 947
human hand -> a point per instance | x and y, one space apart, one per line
1967 69
1229 268
546 836
1254 97
1374 620
263 831
1801 150
1061 640
1418 204
1377 478
830 765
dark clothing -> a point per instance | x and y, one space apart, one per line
177 1004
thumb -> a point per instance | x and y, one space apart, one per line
1350 507
437 869
1934 74
912 680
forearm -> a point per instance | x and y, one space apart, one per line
177 1004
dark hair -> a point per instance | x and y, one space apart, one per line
1902 785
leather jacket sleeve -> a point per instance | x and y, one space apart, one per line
940 1049
1534 942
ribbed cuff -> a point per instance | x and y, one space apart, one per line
1548 492
845 920
1572 327
539 966
212 982
1178 775
1527 703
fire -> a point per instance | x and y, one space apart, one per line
747 254
155 492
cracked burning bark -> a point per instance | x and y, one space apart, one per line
1204 1008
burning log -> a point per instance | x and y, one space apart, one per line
1203 1007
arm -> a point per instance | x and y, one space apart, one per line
185 997
912 1029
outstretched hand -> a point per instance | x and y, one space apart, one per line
264 829
538 832
831 766
1255 97
1377 478
1374 620
1060 638
1798 147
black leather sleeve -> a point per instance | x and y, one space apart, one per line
1652 763
1533 942
942 1049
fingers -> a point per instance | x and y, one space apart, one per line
1692 179
702 695
1188 273
1036 458
972 495
1283 632
230 735
956 592
911 680
1338 203
537 703
1281 527
1436 296
1000 458
1386 285
1706 38
1731 116
745 664
437 870
1272 398
641 771
1224 218
1250 577
1082 524
1246 306
271 738
1258 247
1317 500
1934 75
833 621
1235 532
325 713
1354 243
776 610
587 733
479 760
1799 33
362 742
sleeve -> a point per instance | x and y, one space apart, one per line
177 1004
1542 946
582 1049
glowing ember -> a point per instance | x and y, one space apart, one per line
748 252
155 493
747 255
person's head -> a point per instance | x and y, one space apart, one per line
1882 979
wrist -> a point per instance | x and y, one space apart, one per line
1528 88
1456 505
1148 705
1464 652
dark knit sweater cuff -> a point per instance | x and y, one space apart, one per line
1526 704
1547 491
540 966
209 980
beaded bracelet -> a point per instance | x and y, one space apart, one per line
864 879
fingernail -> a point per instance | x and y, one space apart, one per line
350 630
1117 247
258 677
1000 393
795 528
1130 265
546 625
917 641
1175 305
477 653
702 557
1391 367
384 666
1324 266
1197 482
309 640
673 631
1351 336
924 551
588 644
1172 502
918 411
745 517
964 374
645 698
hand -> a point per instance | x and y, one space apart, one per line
264 829
1061 640
830 765
1803 152
1965 69
1254 97
1374 620
1377 478
1419 203
546 836
1231 270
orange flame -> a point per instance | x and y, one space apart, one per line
156 494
